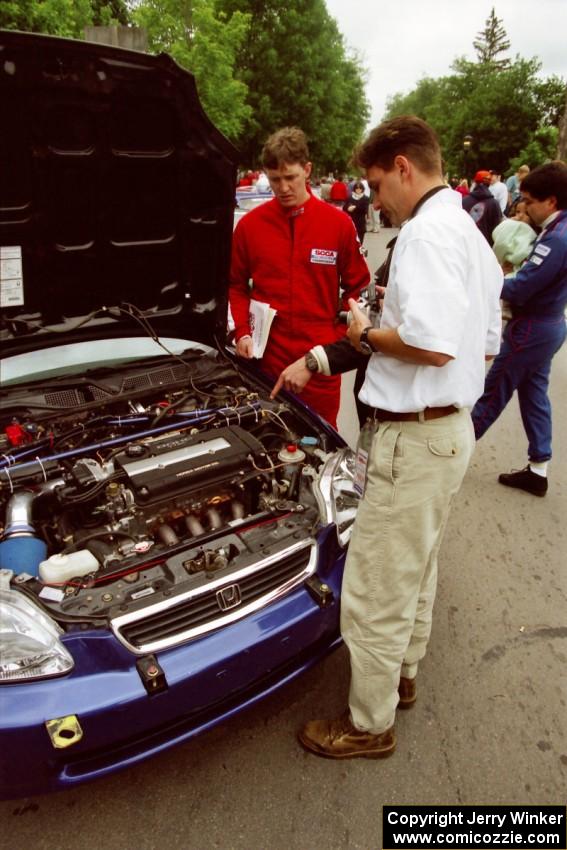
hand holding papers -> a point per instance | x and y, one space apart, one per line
261 318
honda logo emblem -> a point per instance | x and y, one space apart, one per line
229 597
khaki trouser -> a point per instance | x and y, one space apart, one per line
414 471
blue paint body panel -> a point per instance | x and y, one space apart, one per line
208 680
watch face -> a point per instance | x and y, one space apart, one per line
311 362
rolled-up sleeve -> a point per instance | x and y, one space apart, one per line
432 296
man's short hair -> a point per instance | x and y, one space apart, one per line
406 135
546 181
286 145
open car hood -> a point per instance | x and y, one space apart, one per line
116 197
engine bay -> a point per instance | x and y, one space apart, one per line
126 492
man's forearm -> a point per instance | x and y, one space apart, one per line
389 342
343 357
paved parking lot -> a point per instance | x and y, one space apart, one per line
489 725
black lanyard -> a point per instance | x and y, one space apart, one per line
425 198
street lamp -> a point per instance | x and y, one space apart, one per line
467 144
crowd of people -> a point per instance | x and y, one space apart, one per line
525 221
421 361
351 194
507 194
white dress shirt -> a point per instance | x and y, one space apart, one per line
443 295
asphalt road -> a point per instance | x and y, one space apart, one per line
489 726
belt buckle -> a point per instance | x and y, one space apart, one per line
377 414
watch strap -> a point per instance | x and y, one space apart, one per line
364 338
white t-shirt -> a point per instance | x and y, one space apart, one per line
443 295
262 184
500 192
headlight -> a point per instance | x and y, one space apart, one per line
29 641
338 497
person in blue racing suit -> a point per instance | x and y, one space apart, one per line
537 294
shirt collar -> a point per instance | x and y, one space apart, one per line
549 219
424 200
298 210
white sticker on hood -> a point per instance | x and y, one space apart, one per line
11 276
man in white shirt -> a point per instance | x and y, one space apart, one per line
262 184
498 190
441 318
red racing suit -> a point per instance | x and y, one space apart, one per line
298 261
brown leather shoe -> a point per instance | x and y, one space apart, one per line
339 739
407 691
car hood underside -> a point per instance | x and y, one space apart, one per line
116 199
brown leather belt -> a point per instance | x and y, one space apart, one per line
428 413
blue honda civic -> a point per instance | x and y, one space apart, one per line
172 540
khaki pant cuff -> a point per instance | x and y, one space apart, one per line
409 671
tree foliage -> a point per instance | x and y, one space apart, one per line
491 41
562 140
259 64
511 114
66 18
298 72
206 41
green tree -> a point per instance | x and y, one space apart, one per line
507 113
298 72
115 10
66 18
491 41
551 97
540 149
422 101
562 139
205 41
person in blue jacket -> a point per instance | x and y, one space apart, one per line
482 206
537 294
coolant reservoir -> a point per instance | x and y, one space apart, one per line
59 568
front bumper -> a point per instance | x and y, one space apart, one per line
207 681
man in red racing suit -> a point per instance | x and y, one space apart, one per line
299 252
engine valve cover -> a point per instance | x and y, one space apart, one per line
186 462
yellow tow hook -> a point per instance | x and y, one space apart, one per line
64 731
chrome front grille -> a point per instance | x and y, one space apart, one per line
174 621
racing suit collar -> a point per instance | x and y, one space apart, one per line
301 209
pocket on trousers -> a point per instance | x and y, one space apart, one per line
443 446
388 455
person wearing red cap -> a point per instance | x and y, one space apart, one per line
482 206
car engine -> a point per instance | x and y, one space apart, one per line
164 500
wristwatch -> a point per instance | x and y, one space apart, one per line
365 345
311 362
